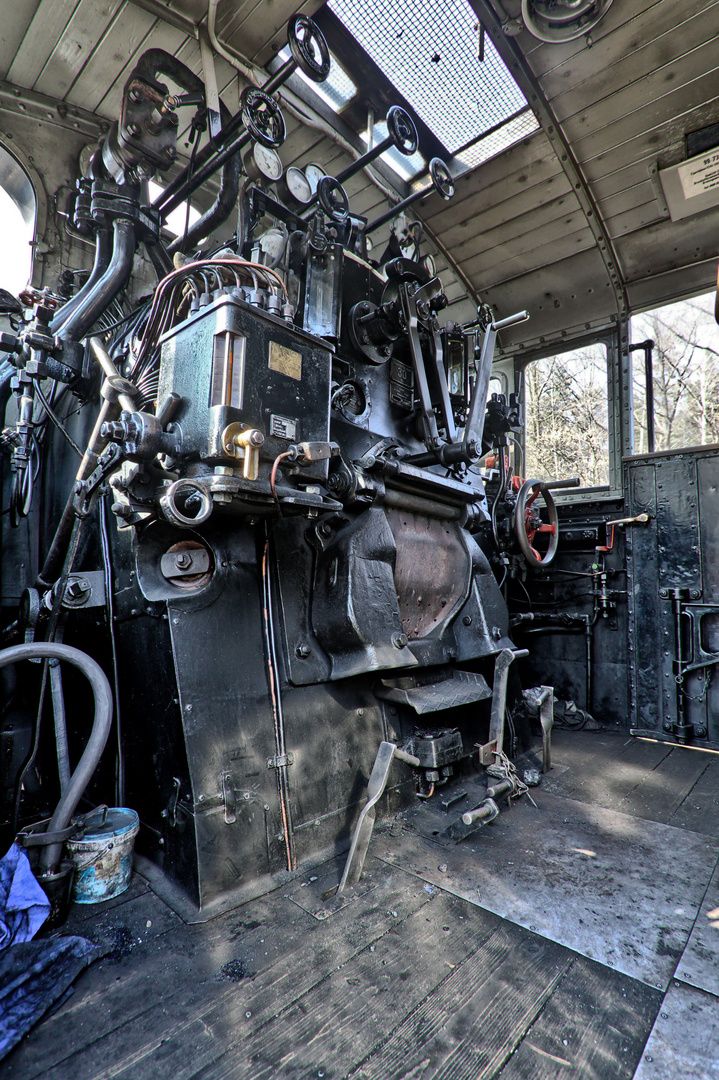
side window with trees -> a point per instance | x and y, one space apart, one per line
685 370
567 416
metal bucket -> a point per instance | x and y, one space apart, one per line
103 857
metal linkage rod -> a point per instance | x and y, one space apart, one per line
442 183
401 133
305 39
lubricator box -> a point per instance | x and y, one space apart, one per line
233 363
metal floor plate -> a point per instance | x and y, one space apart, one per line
683 1043
618 889
699 964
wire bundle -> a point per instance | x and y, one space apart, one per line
171 304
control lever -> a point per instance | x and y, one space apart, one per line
478 404
363 830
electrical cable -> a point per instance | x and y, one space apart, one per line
56 420
276 701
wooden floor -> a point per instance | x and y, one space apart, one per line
477 960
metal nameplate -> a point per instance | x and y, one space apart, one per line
286 361
283 427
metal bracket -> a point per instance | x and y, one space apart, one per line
85 590
363 830
228 794
170 811
281 761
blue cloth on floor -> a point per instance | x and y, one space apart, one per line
23 905
33 976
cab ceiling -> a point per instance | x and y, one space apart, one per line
520 232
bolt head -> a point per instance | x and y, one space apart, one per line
183 559
467 620
399 641
303 650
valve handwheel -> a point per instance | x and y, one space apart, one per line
441 178
528 523
333 199
402 130
262 117
309 48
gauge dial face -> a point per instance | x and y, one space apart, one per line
314 174
267 162
298 185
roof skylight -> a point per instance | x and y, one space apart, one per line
433 61
336 90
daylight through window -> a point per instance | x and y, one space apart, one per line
685 367
566 410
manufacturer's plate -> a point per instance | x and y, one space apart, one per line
282 427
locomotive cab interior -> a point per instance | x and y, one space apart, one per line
359 461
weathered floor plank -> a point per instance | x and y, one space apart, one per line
595 1024
434 967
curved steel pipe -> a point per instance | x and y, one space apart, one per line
103 251
110 285
102 722
220 210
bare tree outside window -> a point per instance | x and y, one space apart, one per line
566 408
686 375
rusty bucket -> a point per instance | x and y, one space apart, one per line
103 857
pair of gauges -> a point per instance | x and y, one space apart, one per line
297 186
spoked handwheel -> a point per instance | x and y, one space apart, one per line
528 524
262 117
401 129
333 199
441 178
309 48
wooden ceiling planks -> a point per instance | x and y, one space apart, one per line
16 20
75 45
566 296
652 49
49 21
252 27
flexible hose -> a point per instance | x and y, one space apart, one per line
102 722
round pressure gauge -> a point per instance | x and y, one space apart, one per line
296 186
314 174
263 163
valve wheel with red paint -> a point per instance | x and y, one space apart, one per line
528 523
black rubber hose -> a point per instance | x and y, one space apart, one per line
103 252
102 722
108 287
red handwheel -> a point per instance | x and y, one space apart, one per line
527 523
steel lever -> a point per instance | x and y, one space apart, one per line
363 830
